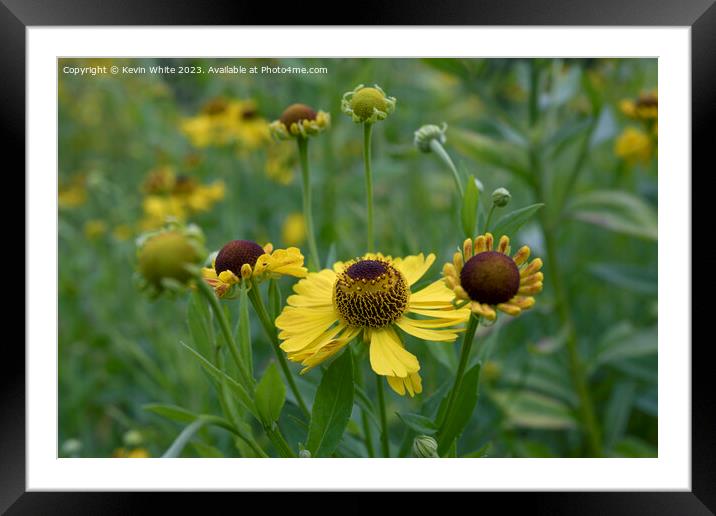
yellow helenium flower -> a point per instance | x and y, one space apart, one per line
634 145
645 107
224 122
487 279
369 296
299 120
244 259
293 231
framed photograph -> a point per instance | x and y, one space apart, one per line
448 253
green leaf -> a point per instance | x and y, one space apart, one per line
469 207
332 407
510 223
634 447
199 322
270 396
483 149
625 342
616 211
173 412
629 277
274 294
618 411
183 438
418 423
244 333
460 415
207 451
237 390
528 409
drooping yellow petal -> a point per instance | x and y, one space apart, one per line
316 290
414 267
388 357
509 309
328 349
446 313
412 384
421 329
522 255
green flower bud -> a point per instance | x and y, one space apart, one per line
304 454
425 447
165 257
501 197
133 438
367 105
71 447
428 133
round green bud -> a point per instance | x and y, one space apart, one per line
365 100
165 255
71 447
501 197
133 438
425 447
427 134
304 454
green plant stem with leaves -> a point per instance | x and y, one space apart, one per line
314 259
270 330
367 132
384 438
441 153
467 341
576 367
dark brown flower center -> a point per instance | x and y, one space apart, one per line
490 277
237 253
371 293
295 113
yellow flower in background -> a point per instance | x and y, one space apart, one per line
135 453
293 231
172 196
94 229
644 108
227 122
280 162
487 280
122 232
244 260
634 145
72 195
369 296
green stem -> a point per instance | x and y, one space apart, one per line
208 293
384 441
489 218
440 151
270 329
280 442
467 340
367 432
367 131
314 260
576 367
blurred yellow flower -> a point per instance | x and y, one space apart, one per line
176 197
293 232
122 232
644 108
72 195
634 145
226 122
280 161
94 229
135 453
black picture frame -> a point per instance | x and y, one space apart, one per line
700 15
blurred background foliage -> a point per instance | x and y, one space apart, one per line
575 134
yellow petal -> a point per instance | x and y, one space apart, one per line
435 295
388 357
415 328
522 255
412 383
414 267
